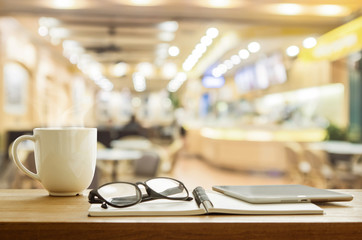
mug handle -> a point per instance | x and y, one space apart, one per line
18 163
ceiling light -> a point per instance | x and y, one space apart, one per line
90 67
71 47
84 61
235 59
219 70
139 82
206 40
223 68
74 58
141 2
162 50
331 10
199 50
58 32
212 32
244 54
229 64
173 51
48 22
292 51
105 84
216 72
63 3
176 82
309 42
289 8
145 68
168 26
254 47
70 44
43 31
169 70
120 69
166 36
219 3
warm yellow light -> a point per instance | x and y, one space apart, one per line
292 51
253 47
331 10
309 42
120 69
173 51
244 54
145 68
43 31
212 32
64 3
141 2
169 70
289 8
219 3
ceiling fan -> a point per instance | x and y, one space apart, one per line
104 49
109 48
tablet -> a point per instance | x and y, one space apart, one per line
281 193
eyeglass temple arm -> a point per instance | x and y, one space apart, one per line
149 198
93 198
167 192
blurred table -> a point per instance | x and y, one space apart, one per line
32 214
132 144
339 147
340 151
116 156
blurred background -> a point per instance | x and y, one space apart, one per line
209 91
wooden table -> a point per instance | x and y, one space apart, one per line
32 214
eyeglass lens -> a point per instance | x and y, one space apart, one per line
167 187
120 194
123 194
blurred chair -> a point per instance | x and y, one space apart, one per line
298 168
325 175
173 153
322 173
147 165
134 137
104 170
357 165
357 170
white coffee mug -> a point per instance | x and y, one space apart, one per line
65 158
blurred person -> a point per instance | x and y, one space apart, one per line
133 127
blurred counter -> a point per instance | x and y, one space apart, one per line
251 149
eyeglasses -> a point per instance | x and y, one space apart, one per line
125 194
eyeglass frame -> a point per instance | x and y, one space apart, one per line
151 194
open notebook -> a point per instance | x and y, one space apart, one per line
204 203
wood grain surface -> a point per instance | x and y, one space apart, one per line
32 214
